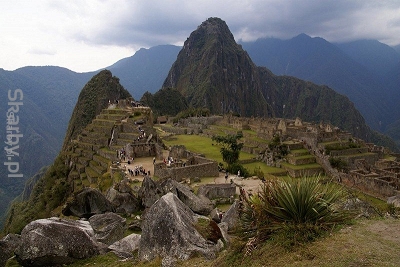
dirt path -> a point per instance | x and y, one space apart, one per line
249 184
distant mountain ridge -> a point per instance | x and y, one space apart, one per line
146 70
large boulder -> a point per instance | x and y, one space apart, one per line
8 244
169 230
86 203
126 246
123 202
149 192
55 241
108 227
199 205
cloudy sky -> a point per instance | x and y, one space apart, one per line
86 35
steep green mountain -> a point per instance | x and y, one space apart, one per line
213 71
53 187
94 97
146 69
167 101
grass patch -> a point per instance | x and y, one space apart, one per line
202 145
263 167
301 167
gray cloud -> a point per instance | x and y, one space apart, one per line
148 23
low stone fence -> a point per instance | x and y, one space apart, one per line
381 187
207 169
214 191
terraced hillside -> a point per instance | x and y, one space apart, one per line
94 155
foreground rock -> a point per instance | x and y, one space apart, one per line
54 241
231 216
123 202
108 228
126 246
168 230
7 246
86 203
149 192
200 205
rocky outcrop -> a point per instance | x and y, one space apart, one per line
108 228
149 192
123 201
55 241
86 203
126 246
213 191
200 205
168 230
231 216
7 246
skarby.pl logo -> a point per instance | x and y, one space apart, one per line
13 133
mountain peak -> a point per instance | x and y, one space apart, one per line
211 31
94 97
212 68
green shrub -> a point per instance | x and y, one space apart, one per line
299 210
235 167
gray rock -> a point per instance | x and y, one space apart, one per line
223 227
231 216
126 246
200 205
395 200
7 246
168 230
86 203
123 202
149 192
55 241
168 262
213 191
108 227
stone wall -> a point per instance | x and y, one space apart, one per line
200 168
381 187
214 191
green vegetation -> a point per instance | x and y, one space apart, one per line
338 163
49 193
167 101
192 112
202 145
340 146
230 149
294 211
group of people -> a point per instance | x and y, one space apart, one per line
138 170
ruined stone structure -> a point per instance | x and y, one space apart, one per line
194 166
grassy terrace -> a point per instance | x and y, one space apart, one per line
264 168
201 145
301 167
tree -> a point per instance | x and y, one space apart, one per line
230 149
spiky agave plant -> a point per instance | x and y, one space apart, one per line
300 209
